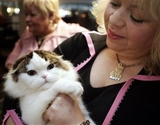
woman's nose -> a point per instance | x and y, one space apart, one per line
27 18
118 18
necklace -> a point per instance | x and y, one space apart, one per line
116 74
39 41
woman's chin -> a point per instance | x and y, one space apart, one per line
31 29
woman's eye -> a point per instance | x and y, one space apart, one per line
31 72
136 20
50 66
32 14
114 4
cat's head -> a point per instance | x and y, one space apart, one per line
39 69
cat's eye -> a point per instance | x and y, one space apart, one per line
50 66
31 72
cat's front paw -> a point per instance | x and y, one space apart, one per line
70 87
75 88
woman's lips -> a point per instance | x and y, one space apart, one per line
113 35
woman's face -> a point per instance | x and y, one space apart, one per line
128 29
37 24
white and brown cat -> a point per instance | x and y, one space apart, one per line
36 79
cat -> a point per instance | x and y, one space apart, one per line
37 78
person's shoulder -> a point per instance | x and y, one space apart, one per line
90 35
78 38
98 39
83 38
96 36
81 43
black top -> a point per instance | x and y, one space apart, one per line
141 103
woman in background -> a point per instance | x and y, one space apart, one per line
45 29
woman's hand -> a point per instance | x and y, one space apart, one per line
9 66
64 111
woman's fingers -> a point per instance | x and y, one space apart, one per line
63 111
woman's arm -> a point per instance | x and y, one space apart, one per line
16 50
13 55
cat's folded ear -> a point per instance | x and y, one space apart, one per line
21 60
18 62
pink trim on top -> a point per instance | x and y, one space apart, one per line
147 78
121 94
14 116
91 51
124 88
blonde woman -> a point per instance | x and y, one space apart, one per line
120 71
45 29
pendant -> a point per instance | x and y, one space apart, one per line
117 73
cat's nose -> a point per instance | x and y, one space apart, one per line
44 76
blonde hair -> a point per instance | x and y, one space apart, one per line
98 11
46 7
152 10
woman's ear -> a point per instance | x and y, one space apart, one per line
51 16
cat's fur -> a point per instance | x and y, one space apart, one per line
36 79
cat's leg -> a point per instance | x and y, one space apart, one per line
33 108
31 117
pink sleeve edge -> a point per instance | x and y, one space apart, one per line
14 116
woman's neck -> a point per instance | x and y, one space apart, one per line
50 30
129 58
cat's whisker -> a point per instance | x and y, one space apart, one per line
37 85
26 91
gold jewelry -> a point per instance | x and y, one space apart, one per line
116 74
39 40
54 26
51 22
